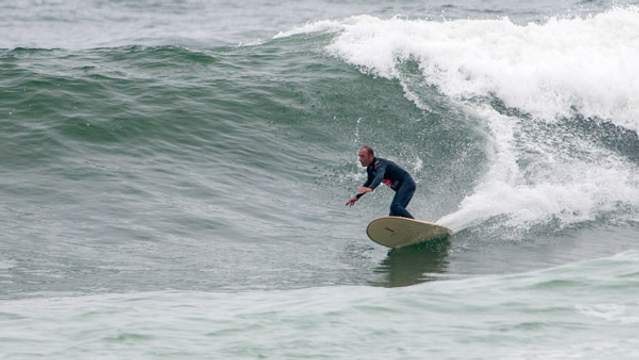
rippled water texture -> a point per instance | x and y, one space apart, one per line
173 178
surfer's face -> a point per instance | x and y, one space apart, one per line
364 157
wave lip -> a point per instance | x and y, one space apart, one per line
546 69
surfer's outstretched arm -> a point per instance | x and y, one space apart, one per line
353 200
359 194
361 190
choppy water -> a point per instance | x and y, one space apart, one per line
173 178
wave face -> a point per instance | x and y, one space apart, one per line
556 99
227 156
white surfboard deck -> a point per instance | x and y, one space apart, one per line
397 232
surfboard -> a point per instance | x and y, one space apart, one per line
397 232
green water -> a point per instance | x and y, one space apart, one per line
179 195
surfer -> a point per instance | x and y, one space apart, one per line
385 171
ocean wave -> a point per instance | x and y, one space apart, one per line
526 84
432 317
547 69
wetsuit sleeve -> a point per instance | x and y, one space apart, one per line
369 180
367 183
379 176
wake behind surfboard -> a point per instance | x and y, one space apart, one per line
397 232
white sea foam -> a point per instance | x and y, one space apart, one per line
548 70
620 313
557 185
311 27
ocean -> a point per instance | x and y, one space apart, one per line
173 177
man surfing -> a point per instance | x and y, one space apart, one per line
381 170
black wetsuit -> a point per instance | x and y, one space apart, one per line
398 179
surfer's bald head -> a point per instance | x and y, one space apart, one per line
366 155
368 149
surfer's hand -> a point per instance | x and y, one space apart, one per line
363 190
351 201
